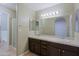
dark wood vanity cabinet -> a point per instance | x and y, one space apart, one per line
45 48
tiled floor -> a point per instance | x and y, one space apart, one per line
30 54
6 50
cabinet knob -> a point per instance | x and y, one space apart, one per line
63 51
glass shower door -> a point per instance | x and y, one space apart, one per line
4 29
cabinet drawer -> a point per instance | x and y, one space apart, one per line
34 40
43 42
43 46
54 44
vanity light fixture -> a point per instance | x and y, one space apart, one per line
47 14
57 12
50 14
44 15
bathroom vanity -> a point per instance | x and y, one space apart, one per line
55 35
50 48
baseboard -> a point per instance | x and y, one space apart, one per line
13 47
24 53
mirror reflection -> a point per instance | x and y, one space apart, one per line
60 27
77 21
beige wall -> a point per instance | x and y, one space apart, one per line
76 6
23 16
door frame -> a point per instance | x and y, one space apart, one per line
0 28
13 21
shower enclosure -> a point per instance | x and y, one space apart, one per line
4 35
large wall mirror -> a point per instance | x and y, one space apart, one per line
55 26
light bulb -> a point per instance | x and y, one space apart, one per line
47 14
44 15
50 14
53 13
41 14
57 12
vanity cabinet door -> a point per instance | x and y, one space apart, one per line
31 45
43 48
52 51
43 52
68 53
37 48
34 46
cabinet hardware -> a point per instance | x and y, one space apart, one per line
63 51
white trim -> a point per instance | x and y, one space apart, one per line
13 20
8 29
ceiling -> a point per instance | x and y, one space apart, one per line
39 6
11 6
33 6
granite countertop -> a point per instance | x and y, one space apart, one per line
66 41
